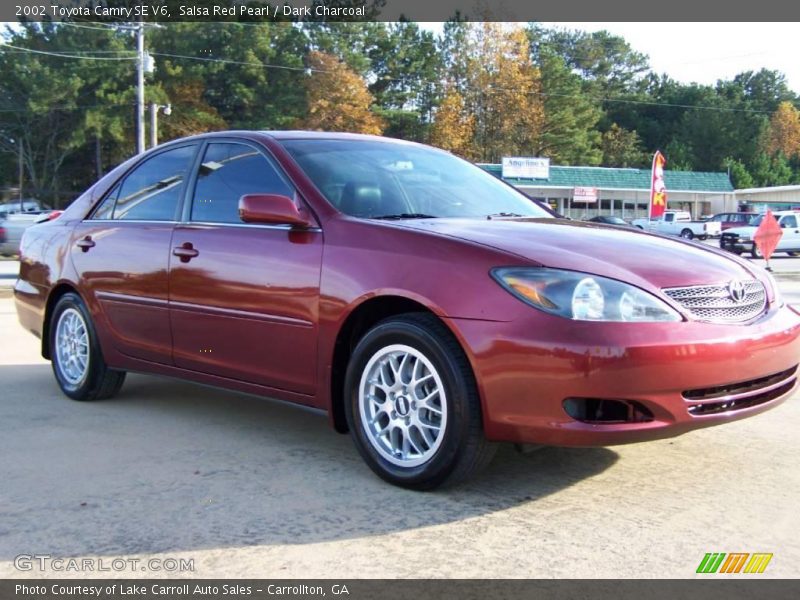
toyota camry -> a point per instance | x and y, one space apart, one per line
427 307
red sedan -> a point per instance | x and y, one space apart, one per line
424 305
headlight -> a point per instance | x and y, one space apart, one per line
583 297
745 237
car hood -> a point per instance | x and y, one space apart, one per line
742 230
619 253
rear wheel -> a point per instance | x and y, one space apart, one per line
687 234
793 254
412 404
78 363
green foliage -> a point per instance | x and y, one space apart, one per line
623 148
478 90
739 174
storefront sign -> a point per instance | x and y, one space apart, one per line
585 195
516 167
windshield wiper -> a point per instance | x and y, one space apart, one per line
502 214
406 216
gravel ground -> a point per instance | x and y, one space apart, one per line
253 488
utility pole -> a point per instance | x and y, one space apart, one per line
21 175
153 124
140 88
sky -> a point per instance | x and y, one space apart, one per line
706 52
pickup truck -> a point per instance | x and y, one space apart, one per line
740 239
679 222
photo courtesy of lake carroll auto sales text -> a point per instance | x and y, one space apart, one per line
365 298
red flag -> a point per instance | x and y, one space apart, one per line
658 192
767 235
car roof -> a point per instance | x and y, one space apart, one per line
296 135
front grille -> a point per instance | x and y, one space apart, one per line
736 396
714 303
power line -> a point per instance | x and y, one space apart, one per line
245 63
76 52
396 80
111 28
65 55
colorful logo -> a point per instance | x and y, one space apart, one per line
734 562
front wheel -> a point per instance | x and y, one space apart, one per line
755 252
412 404
687 234
78 363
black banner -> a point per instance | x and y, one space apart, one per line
399 589
394 10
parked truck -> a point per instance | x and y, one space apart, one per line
679 222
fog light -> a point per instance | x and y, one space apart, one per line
603 411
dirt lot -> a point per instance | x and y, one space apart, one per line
252 488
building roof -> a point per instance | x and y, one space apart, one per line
770 190
606 178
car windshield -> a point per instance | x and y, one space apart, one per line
756 221
377 179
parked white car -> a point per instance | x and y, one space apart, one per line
679 222
14 225
740 239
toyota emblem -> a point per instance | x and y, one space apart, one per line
736 290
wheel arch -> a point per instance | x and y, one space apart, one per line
55 295
360 320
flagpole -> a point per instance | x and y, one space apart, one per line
652 186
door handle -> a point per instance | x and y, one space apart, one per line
85 243
185 252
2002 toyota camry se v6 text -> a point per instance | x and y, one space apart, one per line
426 306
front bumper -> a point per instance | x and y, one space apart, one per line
527 368
734 244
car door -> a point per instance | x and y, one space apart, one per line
790 240
245 305
121 253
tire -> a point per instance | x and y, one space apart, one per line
71 329
414 453
687 234
793 254
755 252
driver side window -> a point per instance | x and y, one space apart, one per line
228 172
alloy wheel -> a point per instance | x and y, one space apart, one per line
72 347
402 405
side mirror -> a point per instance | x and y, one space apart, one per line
272 209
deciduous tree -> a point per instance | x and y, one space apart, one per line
453 129
782 136
338 99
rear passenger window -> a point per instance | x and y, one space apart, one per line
790 222
152 191
228 172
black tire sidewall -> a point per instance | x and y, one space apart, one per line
96 364
437 469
